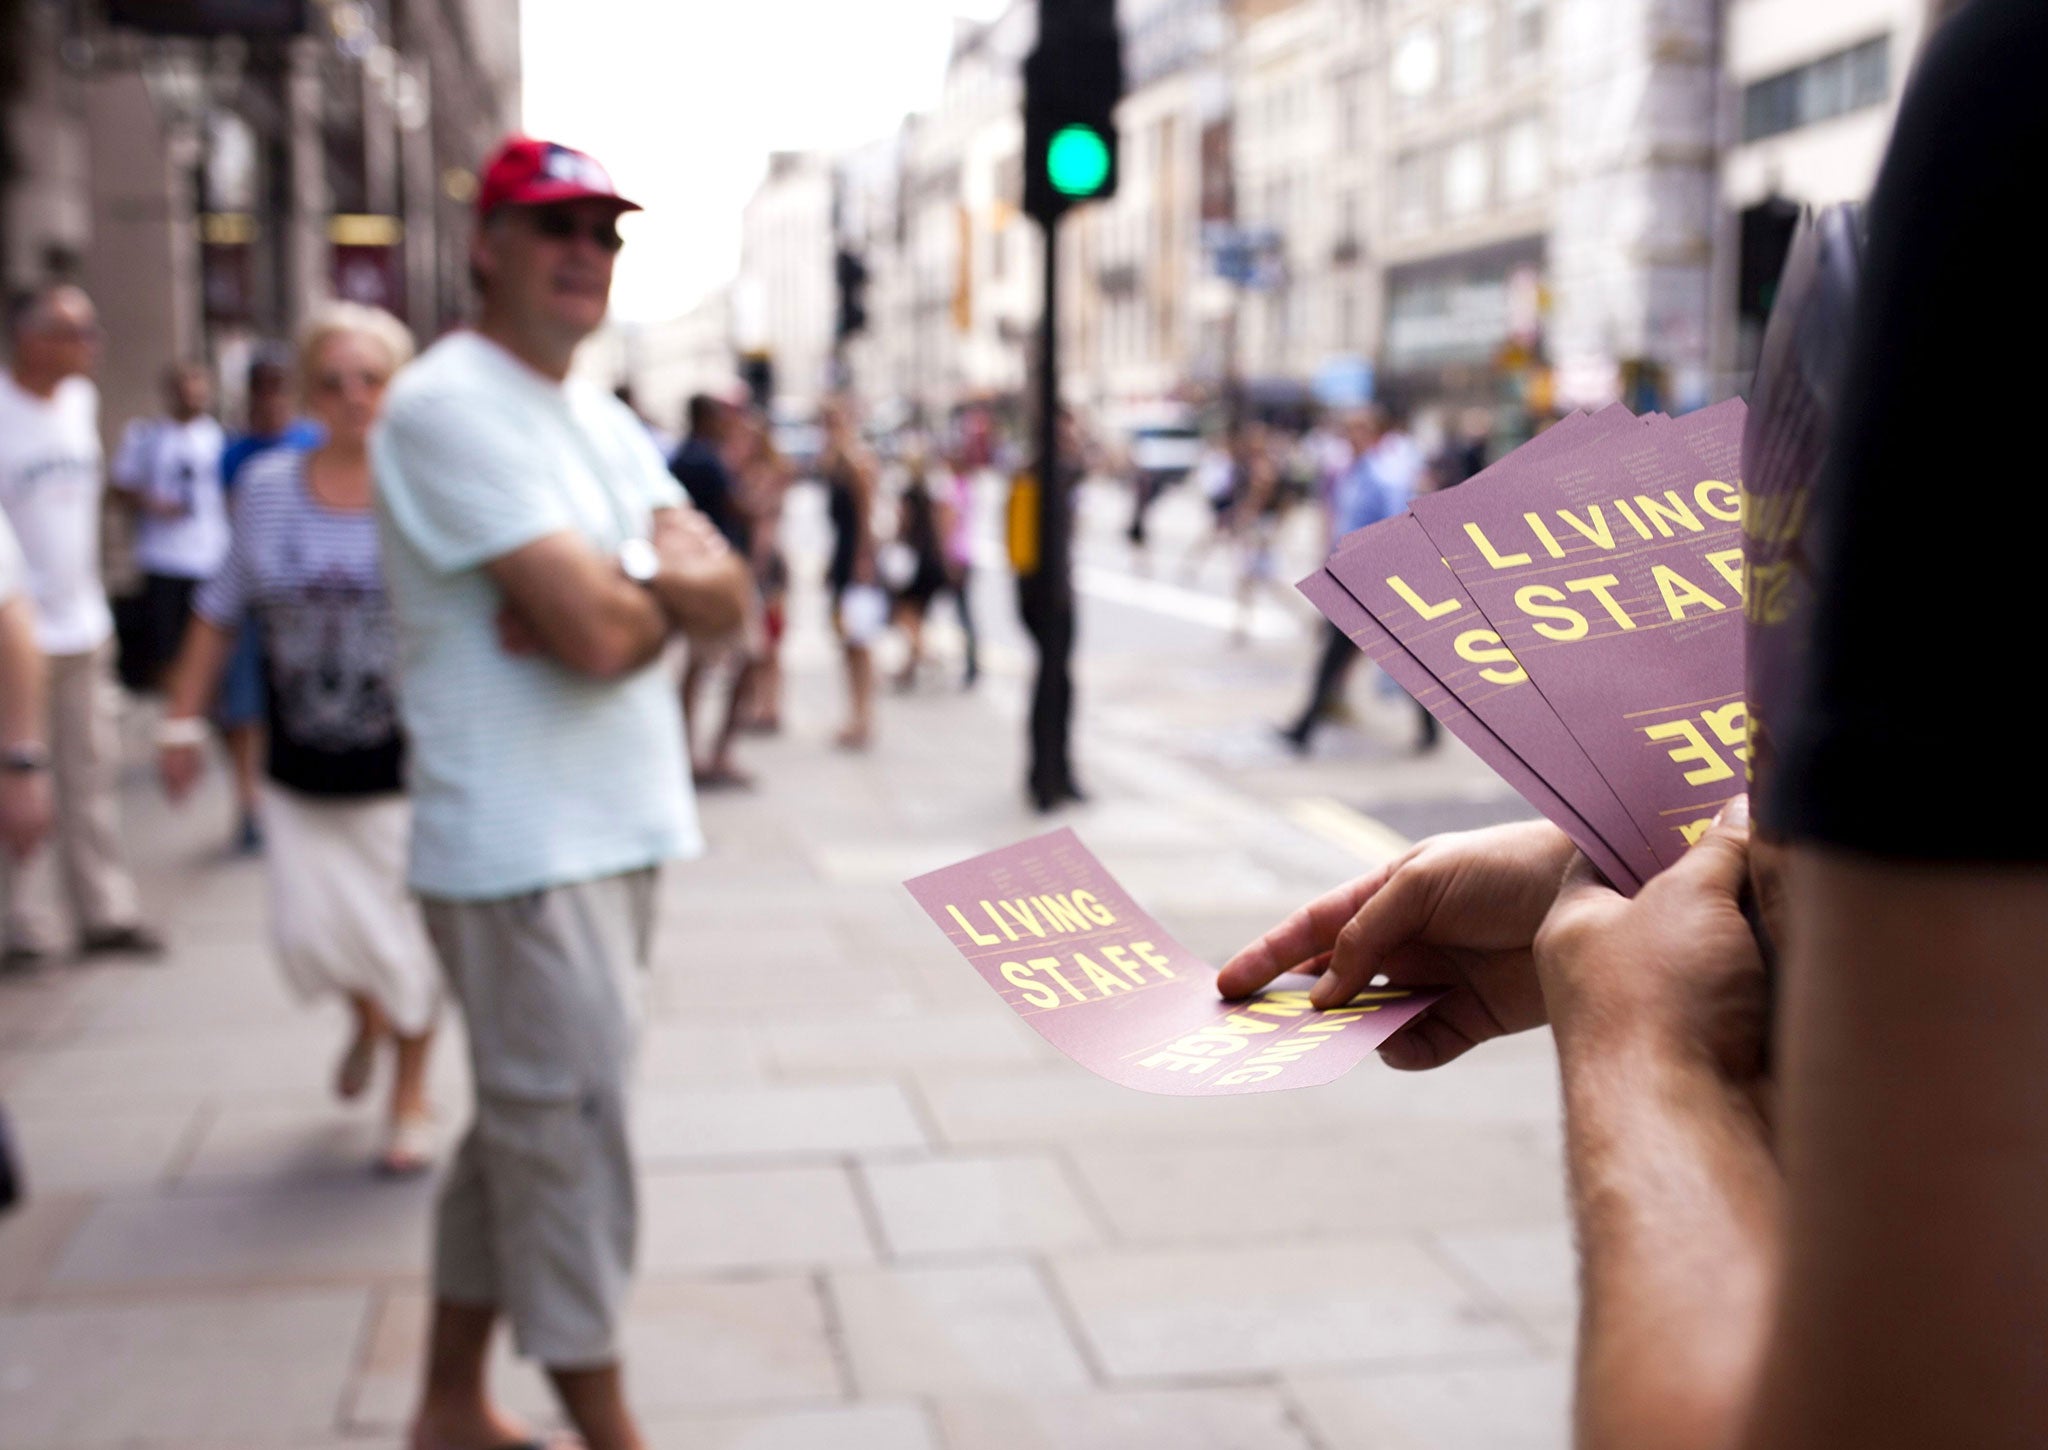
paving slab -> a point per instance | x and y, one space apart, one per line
689 1346
1498 1407
362 1229
774 1218
957 1038
67 1151
80 1377
680 1055
983 1205
772 1121
845 1427
1261 1309
944 1330
32 1238
1533 1269
1393 1176
291 1062
1197 1419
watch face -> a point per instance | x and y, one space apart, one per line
638 560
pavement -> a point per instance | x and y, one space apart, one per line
878 1213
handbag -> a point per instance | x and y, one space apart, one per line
863 613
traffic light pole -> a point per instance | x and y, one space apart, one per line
1046 595
1073 79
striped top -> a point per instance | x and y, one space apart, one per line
310 578
524 774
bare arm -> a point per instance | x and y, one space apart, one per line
578 609
1890 1290
1658 1005
703 585
24 796
188 690
1913 1119
195 674
22 703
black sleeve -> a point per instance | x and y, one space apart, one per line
1907 738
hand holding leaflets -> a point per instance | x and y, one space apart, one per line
1574 615
1063 943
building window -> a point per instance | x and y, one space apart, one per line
1466 68
1832 86
1523 41
1412 199
1465 178
1521 159
1351 109
1418 62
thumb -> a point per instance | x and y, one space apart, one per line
1583 881
1719 860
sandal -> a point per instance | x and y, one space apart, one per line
409 1144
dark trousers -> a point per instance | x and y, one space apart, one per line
961 587
1332 668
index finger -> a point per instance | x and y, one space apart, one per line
1306 934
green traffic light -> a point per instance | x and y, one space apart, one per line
1076 161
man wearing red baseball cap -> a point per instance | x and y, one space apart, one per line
539 557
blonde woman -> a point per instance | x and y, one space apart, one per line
304 566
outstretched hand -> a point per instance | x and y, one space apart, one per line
1458 911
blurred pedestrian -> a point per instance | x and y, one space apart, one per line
50 490
1464 450
922 523
1379 484
304 574
1258 507
700 466
539 557
240 707
169 468
860 606
764 478
1218 479
957 515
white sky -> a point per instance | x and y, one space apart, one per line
682 100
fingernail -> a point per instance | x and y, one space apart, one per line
1735 812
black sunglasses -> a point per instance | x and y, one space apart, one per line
562 226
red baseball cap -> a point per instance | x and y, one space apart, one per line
527 172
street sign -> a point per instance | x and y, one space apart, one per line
1250 257
1345 381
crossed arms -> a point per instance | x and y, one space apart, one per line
565 600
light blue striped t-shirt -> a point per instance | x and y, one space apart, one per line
524 774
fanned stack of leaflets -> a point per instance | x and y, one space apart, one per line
1574 614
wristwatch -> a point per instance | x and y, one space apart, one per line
639 561
28 758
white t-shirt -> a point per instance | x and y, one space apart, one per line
176 463
524 774
50 482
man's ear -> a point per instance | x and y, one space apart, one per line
483 258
